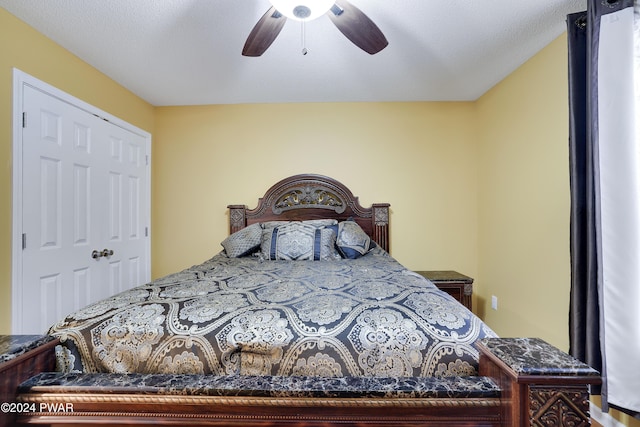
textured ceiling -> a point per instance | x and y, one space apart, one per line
187 52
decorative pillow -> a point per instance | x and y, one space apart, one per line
319 223
298 241
243 242
272 224
352 241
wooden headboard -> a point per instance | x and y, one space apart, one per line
308 196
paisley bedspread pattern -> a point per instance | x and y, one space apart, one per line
364 317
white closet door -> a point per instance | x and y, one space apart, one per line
122 205
83 196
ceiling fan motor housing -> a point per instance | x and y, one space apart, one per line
301 11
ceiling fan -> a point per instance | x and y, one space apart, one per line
350 20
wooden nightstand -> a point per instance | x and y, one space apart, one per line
21 357
455 284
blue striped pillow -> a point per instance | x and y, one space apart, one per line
298 241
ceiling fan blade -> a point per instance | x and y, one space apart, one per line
264 33
357 27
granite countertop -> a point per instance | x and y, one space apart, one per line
12 346
533 356
264 386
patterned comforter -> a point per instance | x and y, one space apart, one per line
364 317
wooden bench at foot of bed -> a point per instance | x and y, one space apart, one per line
524 382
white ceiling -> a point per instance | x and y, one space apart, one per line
187 52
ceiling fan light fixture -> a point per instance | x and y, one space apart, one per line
302 10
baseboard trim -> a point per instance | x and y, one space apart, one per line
603 418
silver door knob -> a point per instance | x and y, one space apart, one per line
96 254
106 252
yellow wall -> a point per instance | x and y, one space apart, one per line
524 200
24 48
420 157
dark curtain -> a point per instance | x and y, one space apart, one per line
584 312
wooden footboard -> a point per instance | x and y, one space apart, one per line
349 407
525 382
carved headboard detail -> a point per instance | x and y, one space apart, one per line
308 196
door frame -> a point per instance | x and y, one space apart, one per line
20 79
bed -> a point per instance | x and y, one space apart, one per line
304 317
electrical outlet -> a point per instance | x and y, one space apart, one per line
494 302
